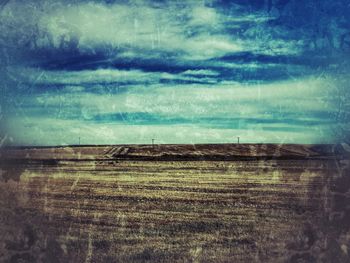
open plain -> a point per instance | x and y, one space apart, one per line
175 203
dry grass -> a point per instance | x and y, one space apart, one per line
106 210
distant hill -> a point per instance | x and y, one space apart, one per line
178 152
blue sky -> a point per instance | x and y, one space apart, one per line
272 71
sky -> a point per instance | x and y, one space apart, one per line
126 72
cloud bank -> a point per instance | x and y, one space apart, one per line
183 71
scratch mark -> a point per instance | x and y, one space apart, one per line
90 248
74 183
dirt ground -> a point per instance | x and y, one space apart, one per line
103 204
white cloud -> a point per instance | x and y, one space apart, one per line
301 97
64 132
143 27
201 72
204 15
298 100
137 27
85 76
186 30
108 76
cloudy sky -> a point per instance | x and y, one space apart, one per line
123 71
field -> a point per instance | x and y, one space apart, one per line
168 203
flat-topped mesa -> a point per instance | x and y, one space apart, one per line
173 152
229 152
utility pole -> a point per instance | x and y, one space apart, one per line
79 141
237 140
153 143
